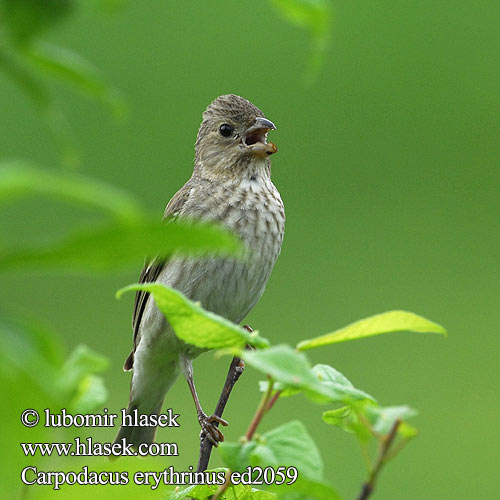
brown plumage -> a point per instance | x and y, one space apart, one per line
230 184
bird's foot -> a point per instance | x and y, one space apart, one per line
209 427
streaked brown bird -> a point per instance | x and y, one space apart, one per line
231 184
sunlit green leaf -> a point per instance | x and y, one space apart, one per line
406 431
391 321
195 325
69 67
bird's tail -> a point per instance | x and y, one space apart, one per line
148 388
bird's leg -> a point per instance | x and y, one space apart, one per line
214 435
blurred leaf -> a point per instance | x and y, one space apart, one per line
26 18
20 178
292 371
24 79
287 445
120 245
406 431
77 380
337 417
29 349
81 362
195 325
382 418
305 489
347 419
67 66
55 119
391 321
91 394
315 16
205 491
362 418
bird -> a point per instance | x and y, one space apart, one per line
230 185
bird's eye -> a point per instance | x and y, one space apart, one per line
225 130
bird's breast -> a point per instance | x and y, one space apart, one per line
230 286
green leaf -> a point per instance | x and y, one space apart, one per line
77 380
26 18
122 245
69 67
82 361
347 419
195 325
315 16
287 445
340 387
25 80
305 489
237 456
91 394
283 364
293 372
20 178
199 492
406 431
31 350
234 492
362 418
337 417
291 445
382 418
391 321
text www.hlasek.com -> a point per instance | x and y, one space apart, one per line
83 448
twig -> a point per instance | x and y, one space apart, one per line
264 406
261 410
385 445
235 370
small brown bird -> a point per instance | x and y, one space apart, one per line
231 184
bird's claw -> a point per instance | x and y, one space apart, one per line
209 429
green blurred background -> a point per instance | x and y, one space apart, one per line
388 166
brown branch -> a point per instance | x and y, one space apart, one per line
235 370
385 446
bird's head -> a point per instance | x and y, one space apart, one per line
233 136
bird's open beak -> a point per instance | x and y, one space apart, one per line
256 137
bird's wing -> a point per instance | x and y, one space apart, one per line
152 270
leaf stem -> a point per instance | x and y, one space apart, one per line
261 410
